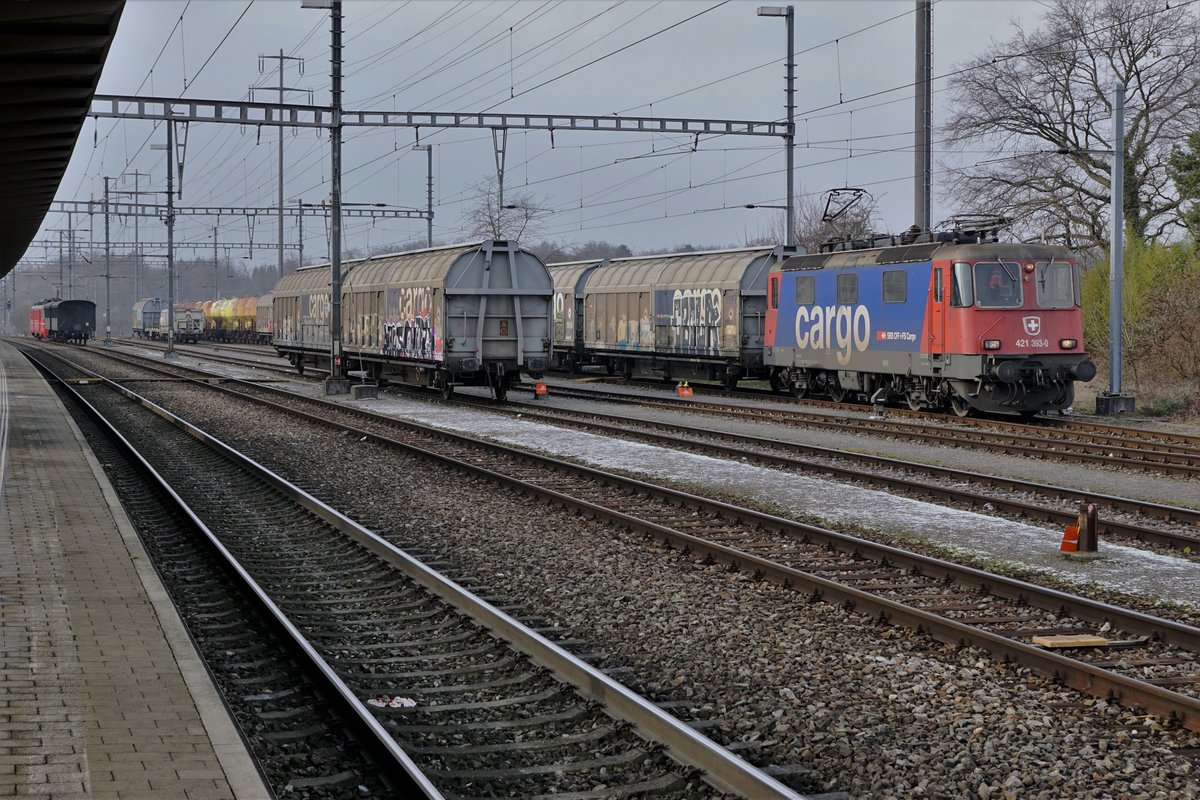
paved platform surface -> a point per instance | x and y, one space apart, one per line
101 692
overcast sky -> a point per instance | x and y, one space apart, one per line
646 192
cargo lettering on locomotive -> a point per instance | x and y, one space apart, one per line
837 328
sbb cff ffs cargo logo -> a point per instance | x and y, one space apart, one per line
1033 325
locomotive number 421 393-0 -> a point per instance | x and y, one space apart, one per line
1033 342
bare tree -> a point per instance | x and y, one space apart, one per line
1043 101
522 216
858 222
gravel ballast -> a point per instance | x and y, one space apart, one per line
867 709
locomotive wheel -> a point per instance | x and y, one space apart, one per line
837 394
914 402
446 390
797 391
776 384
959 405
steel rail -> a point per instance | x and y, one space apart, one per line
394 761
724 770
1069 425
1074 673
1077 674
1024 444
590 420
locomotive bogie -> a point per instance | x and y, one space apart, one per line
472 315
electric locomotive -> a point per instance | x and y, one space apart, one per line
938 320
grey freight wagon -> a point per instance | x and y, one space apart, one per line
146 316
685 315
463 315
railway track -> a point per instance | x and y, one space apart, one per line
463 698
1166 458
776 453
1135 659
1101 432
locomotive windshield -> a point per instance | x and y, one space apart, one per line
998 284
1056 287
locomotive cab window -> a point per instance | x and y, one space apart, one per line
1055 284
963 295
997 284
847 289
895 286
806 290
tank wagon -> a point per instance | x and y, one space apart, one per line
63 320
233 319
959 322
688 315
464 315
145 316
264 319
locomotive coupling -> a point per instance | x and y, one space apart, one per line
1005 371
1084 371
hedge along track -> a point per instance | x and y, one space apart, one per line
1033 441
954 604
376 622
683 437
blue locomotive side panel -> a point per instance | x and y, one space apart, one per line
829 316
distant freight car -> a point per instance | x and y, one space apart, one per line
958 322
470 315
189 324
63 320
687 315
145 316
264 319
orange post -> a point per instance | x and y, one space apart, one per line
1070 540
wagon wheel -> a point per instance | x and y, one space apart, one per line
837 394
500 391
611 368
627 369
446 390
729 380
959 405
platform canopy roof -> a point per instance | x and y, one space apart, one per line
51 55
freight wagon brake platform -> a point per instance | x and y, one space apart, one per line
101 692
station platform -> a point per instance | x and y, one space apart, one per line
102 694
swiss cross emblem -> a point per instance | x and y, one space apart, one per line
1033 325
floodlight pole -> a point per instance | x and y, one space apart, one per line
336 383
170 353
107 271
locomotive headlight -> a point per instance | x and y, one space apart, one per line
991 344
1068 344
